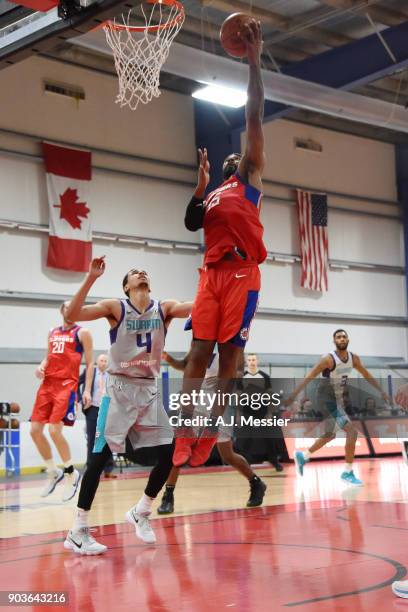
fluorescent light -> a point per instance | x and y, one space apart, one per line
222 95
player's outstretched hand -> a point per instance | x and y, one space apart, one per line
203 169
402 397
165 356
97 267
252 36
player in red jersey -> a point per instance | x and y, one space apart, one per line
229 284
55 401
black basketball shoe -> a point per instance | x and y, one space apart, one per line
257 492
167 502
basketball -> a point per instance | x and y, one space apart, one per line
229 34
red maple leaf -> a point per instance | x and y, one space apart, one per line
71 209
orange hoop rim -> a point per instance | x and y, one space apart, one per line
154 28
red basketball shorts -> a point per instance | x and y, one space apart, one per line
55 401
226 302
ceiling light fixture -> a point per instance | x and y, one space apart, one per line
226 96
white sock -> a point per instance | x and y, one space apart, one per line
81 519
144 505
348 467
51 467
307 454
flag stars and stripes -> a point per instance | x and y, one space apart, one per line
314 243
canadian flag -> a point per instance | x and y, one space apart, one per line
69 175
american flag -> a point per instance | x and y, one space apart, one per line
314 242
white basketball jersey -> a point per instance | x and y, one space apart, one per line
137 341
340 372
342 369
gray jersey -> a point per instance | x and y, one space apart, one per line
137 341
341 370
339 373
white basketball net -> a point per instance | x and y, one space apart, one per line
140 53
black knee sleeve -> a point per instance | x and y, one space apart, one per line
90 480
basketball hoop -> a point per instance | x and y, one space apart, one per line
141 50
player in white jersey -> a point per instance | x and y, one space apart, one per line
132 406
335 368
224 440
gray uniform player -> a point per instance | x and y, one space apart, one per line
335 368
330 392
132 405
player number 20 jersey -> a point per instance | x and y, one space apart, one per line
64 353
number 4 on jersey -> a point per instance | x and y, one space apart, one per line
147 343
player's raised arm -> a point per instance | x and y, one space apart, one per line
172 309
253 160
369 377
325 362
194 216
75 309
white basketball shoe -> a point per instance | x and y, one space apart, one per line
80 541
53 479
142 525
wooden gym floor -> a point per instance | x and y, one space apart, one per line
316 545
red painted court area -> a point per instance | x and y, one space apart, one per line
318 556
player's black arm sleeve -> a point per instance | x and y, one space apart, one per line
194 217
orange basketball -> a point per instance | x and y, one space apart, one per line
229 35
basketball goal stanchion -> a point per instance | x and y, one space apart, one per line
140 51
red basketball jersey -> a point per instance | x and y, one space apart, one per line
64 353
232 220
